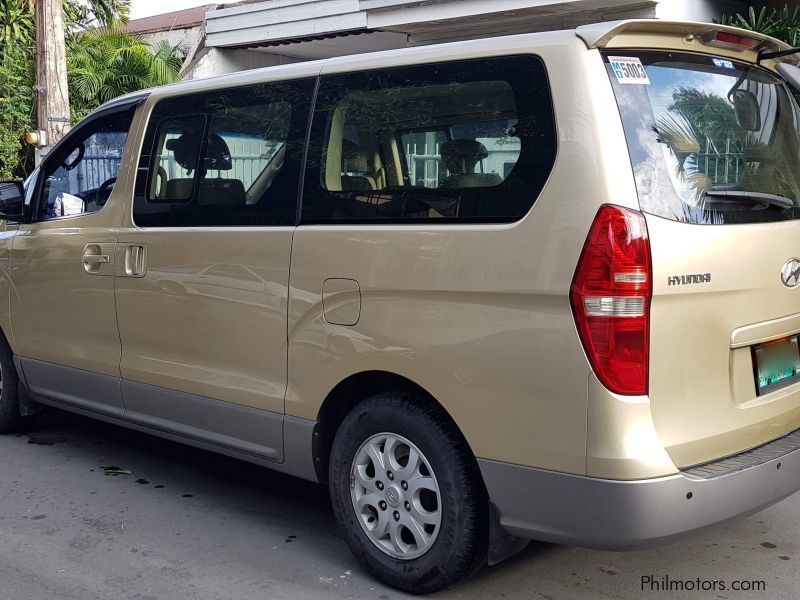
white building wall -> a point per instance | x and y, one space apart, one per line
184 38
397 23
219 61
699 10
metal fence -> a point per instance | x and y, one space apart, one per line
95 170
424 167
721 167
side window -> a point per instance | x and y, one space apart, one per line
79 177
229 158
461 141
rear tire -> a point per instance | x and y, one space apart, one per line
418 527
10 418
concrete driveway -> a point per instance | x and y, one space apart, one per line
189 524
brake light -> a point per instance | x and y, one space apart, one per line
610 298
725 39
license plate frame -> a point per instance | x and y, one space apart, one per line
776 364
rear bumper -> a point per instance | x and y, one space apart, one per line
619 515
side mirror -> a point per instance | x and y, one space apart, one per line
12 201
748 112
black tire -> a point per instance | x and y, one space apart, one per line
461 545
10 419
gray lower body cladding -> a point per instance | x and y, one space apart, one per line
619 515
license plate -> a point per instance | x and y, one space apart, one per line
777 364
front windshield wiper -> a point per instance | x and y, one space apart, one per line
760 197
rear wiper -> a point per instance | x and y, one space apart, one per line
769 199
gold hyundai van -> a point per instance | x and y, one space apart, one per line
532 287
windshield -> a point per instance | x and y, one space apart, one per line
711 140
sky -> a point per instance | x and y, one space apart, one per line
147 8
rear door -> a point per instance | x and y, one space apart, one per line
203 265
716 157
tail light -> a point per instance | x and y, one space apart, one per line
610 297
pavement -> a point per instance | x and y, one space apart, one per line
190 524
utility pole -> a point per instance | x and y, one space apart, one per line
52 105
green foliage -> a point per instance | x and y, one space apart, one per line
95 13
710 115
106 63
781 23
697 118
16 108
16 23
102 61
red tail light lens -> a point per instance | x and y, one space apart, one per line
725 39
610 297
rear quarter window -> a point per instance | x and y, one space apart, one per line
465 141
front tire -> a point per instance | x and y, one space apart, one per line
408 494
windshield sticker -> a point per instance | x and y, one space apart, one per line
629 69
723 64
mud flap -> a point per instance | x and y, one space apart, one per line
502 545
27 407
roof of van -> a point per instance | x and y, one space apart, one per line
612 34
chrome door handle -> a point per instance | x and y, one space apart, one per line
135 260
96 259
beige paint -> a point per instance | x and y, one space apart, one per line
702 390
7 290
478 315
622 442
61 313
209 316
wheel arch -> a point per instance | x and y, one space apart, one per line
350 392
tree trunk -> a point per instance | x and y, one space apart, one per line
51 72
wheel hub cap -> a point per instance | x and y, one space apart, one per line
395 496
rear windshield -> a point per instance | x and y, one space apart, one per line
711 140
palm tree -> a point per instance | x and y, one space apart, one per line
107 62
16 17
95 13
109 11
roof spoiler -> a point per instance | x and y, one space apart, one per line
645 33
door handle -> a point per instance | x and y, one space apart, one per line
94 257
135 260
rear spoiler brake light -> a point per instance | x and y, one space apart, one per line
656 33
729 40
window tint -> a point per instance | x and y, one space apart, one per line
229 158
80 176
460 141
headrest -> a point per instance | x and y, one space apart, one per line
353 159
461 156
186 147
218 155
